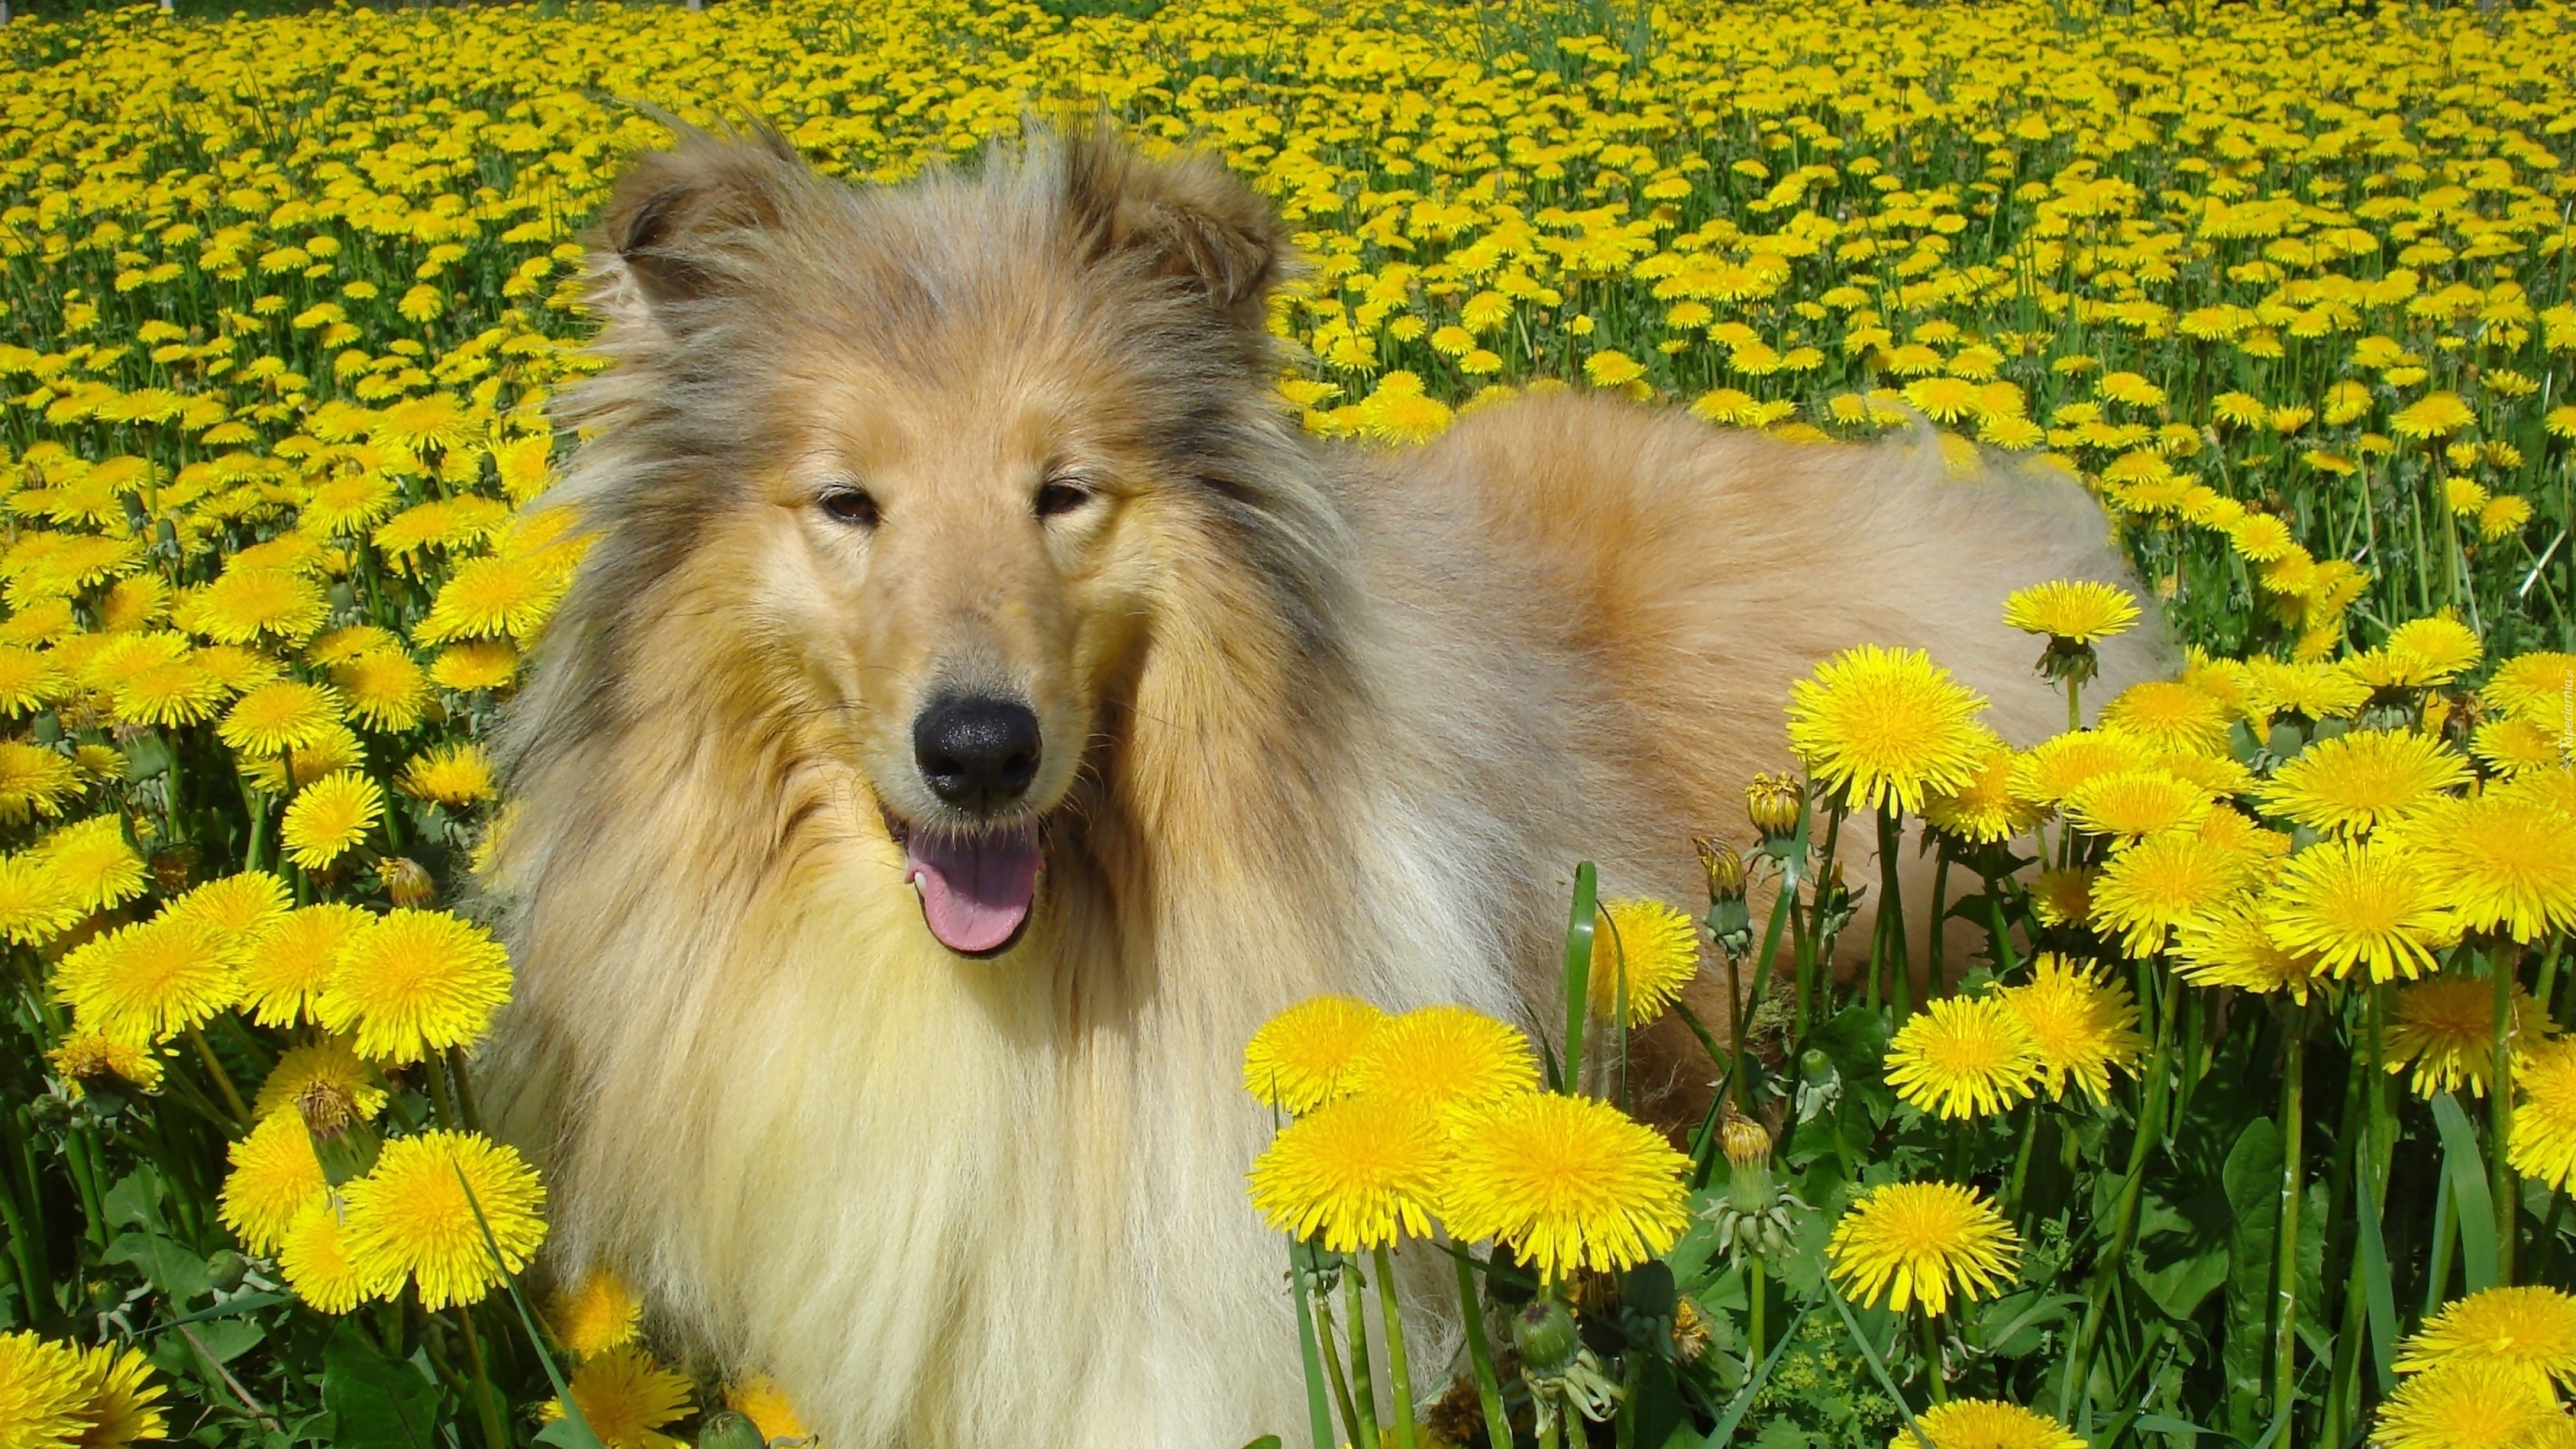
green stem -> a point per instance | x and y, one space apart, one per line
2021 1162
2124 1221
1333 1363
1318 1411
1757 1291
1480 1356
1363 1389
439 1096
1934 985
1578 980
1932 1379
2502 1179
2285 1337
2074 705
1399 1374
223 1080
486 1402
1891 914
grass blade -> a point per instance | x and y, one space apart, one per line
573 1431
1578 968
2472 1205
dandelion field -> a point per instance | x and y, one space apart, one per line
2248 1120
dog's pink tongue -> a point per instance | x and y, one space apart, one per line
975 890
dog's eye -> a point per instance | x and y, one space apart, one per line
851 505
1061 495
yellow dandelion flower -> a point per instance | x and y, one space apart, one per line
627 1399
237 909
2315 689
1985 1424
2235 947
2353 782
34 906
1568 1182
246 603
415 424
475 664
412 982
91 863
596 1317
2048 772
144 983
28 680
2080 1023
410 1216
2168 715
2533 1329
348 503
1920 1242
2360 905
490 598
2468 1404
2079 611
316 1264
275 718
455 775
384 690
2163 882
236 668
2062 897
356 641
1886 727
2445 1029
42 1390
759 1399
2537 687
86 1056
181 692
287 967
2544 1124
2433 415
337 749
1297 1060
2133 803
120 1405
274 1178
1984 811
1646 949
2421 652
329 1062
34 781
2498 862
1360 1173
2261 538
329 817
1445 1058
1962 1057
2512 745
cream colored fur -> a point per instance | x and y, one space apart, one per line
954 1202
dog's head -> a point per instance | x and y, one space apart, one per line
938 463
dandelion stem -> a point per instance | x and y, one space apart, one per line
1363 1391
1755 1292
1891 914
1318 1412
2285 1340
1480 1356
2124 1218
1399 1374
2074 704
223 1079
2021 1162
1930 1326
486 1402
1333 1362
2500 1171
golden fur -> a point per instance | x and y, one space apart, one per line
1318 719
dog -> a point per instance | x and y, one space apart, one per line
983 706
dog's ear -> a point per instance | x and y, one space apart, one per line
675 215
1187 219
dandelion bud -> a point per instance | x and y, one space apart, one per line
1745 1140
406 881
1725 869
342 1140
725 1429
1771 802
1544 1333
226 1270
1691 1335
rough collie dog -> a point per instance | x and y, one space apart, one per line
984 707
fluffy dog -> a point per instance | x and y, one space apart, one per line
983 707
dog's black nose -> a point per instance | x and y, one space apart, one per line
978 754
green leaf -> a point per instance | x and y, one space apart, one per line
2252 1180
2378 1287
174 1271
2473 1206
1578 968
375 1403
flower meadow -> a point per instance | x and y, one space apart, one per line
2234 1101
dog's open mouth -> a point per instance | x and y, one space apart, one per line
976 889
